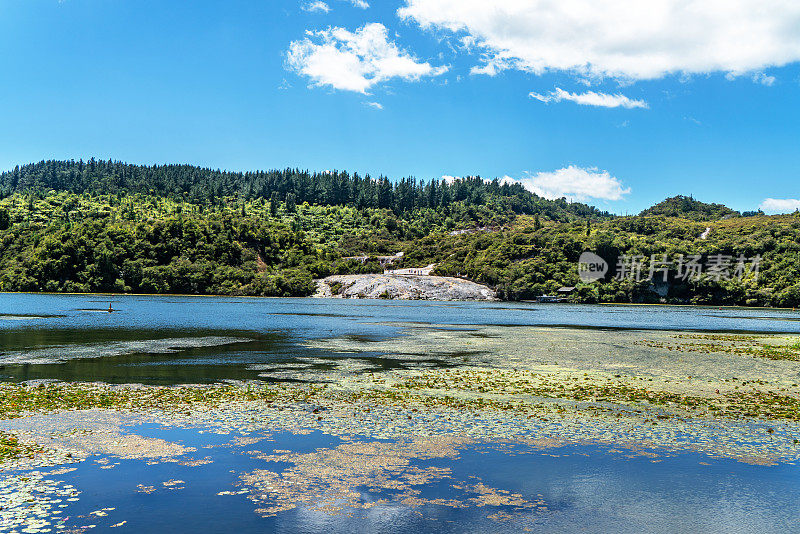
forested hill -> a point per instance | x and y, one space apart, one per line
199 185
112 227
689 208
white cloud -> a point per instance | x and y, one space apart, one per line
590 98
355 61
575 183
376 105
763 79
621 39
316 7
780 205
361 4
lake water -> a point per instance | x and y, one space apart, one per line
170 340
576 489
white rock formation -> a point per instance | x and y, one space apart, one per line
405 287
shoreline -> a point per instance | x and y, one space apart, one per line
498 301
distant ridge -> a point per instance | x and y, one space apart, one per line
689 208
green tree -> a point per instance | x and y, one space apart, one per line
273 204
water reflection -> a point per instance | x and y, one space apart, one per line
573 489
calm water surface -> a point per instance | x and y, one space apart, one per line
581 488
170 340
197 339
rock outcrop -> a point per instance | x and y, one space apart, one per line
405 287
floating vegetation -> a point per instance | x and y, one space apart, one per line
728 343
32 502
494 382
12 449
330 480
15 400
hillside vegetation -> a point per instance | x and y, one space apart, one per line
112 227
689 208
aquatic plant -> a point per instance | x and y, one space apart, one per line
12 449
16 400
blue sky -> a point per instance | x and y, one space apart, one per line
706 100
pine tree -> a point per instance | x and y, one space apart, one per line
5 219
273 204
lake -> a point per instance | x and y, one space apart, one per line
170 340
322 465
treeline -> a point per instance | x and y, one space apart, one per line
336 188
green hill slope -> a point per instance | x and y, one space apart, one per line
689 208
112 227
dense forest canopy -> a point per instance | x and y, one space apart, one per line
204 186
101 226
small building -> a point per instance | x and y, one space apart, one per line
566 290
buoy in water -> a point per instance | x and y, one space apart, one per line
110 309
